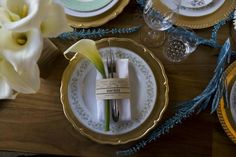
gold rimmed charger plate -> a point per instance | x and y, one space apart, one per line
203 21
223 112
157 111
99 20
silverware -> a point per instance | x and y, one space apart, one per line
111 70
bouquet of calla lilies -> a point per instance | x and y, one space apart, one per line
23 25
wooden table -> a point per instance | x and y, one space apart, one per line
36 123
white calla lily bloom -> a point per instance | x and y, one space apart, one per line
27 82
19 55
21 49
26 14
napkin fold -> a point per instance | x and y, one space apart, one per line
124 106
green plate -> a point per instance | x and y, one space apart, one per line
85 5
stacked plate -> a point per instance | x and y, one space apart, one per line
198 14
195 3
227 114
197 8
91 13
149 93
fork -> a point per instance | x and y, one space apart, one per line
111 70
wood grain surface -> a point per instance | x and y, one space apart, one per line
36 123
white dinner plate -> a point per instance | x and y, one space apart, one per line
82 14
82 99
203 11
233 101
195 3
85 5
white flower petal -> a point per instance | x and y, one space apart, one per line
4 15
22 56
55 21
27 82
22 15
6 91
3 2
32 18
6 40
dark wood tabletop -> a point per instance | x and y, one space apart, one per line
36 123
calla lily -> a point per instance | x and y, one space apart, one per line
87 48
23 14
26 14
19 55
28 81
51 25
6 91
22 50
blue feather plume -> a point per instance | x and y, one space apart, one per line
214 91
96 33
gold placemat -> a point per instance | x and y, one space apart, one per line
100 19
223 112
203 21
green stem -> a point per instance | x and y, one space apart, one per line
107 115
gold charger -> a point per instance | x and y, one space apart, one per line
99 20
203 21
223 112
157 111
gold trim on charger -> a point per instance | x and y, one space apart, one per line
223 112
99 20
202 21
155 115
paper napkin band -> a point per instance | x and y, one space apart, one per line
114 88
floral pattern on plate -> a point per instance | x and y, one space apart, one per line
195 3
195 12
84 77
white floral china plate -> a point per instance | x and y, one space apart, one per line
195 12
85 5
82 14
82 87
195 3
149 93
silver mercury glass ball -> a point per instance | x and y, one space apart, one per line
176 50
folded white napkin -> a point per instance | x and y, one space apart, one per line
122 71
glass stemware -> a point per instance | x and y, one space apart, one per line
157 22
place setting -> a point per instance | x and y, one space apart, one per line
198 14
138 112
